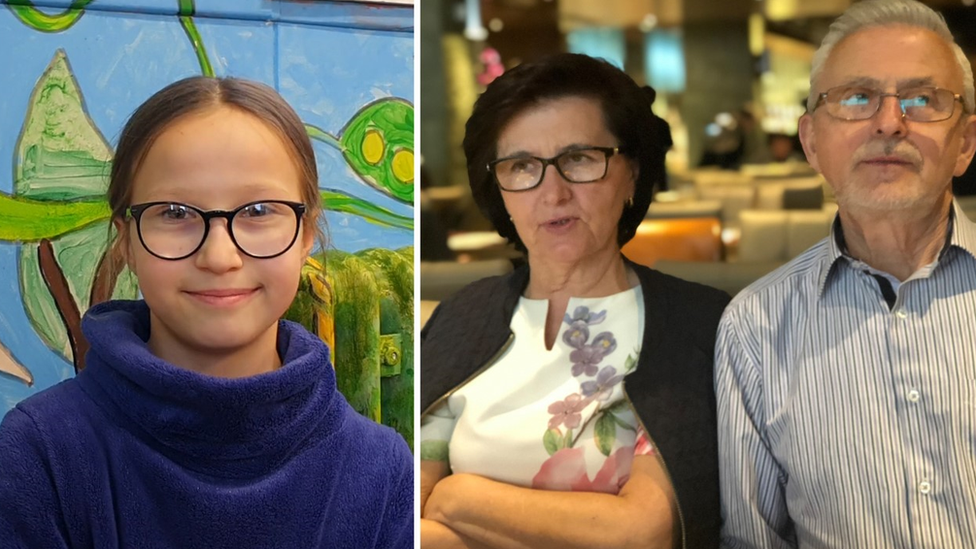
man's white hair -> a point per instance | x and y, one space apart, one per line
882 13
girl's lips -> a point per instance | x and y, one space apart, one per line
222 297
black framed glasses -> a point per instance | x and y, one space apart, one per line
262 229
921 104
523 172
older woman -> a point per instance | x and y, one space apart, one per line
570 403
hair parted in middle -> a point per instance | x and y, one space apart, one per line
626 108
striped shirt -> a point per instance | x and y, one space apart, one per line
845 422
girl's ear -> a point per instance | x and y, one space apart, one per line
308 236
122 245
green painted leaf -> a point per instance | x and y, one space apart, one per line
40 21
61 167
378 145
553 441
605 433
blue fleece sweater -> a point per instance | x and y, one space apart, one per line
136 452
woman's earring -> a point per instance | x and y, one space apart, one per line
630 202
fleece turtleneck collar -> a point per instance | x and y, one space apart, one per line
240 427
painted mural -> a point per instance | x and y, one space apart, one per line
74 71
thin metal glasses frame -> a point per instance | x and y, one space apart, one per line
822 100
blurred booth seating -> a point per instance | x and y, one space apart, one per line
780 235
683 239
730 277
968 205
441 279
794 193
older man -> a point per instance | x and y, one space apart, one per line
846 380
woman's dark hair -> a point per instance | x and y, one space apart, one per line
642 136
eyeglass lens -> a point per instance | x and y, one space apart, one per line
918 104
175 230
577 166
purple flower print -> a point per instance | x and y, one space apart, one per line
585 360
576 335
584 316
586 357
567 411
603 386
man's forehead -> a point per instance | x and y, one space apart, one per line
899 56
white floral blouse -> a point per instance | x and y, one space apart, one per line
557 418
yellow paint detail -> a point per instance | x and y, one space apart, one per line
403 166
373 147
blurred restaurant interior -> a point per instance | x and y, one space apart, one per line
731 79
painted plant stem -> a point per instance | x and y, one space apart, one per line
339 202
194 35
323 136
40 21
57 284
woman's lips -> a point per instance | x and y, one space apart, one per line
559 224
222 297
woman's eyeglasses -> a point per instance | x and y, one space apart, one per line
521 173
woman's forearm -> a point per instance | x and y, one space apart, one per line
506 516
434 535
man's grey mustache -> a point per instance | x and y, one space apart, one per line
894 148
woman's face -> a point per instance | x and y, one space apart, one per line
217 301
559 221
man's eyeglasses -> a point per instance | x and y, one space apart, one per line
922 104
521 173
264 229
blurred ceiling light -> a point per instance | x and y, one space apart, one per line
496 25
473 28
648 23
725 120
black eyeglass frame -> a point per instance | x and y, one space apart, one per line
546 162
135 211
822 100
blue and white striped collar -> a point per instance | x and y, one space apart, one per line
961 234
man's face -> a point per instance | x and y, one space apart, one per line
887 162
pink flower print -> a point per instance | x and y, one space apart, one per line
602 388
642 446
566 471
567 411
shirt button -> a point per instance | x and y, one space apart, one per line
900 313
925 487
913 395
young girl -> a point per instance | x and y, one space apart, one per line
201 419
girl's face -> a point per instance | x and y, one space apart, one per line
218 303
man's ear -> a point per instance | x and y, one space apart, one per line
968 147
808 139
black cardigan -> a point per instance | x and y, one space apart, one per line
671 389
